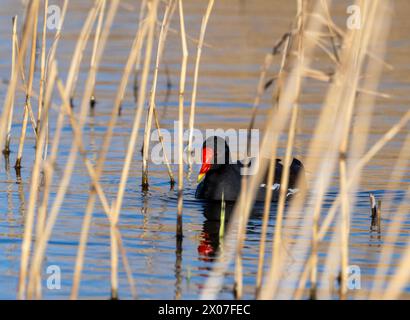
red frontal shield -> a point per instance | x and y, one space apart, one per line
207 157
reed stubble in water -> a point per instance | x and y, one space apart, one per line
169 11
6 150
27 107
179 230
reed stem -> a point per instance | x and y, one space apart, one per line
134 53
95 44
184 62
151 108
116 205
6 150
196 73
27 106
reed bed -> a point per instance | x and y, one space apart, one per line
339 146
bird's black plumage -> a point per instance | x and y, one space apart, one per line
224 177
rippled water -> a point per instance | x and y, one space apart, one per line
239 35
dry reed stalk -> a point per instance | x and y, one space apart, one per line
281 116
21 69
42 243
265 221
169 11
48 166
190 38
126 264
117 203
41 216
26 243
277 241
42 63
27 107
344 227
270 287
369 155
6 150
42 209
272 164
299 202
57 36
333 55
260 89
273 147
373 74
184 62
37 168
95 184
345 203
241 211
240 238
238 277
133 56
332 33
138 62
249 194
161 139
95 44
401 275
386 255
377 147
350 185
313 260
372 40
19 66
357 58
196 73
80 47
49 163
296 205
337 33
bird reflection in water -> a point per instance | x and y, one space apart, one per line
209 244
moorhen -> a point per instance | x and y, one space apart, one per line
218 175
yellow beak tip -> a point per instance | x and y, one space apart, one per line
200 177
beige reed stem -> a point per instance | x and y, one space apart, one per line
151 107
42 244
95 183
196 73
43 63
26 243
134 54
6 149
181 121
37 168
27 106
117 203
272 164
7 106
96 41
